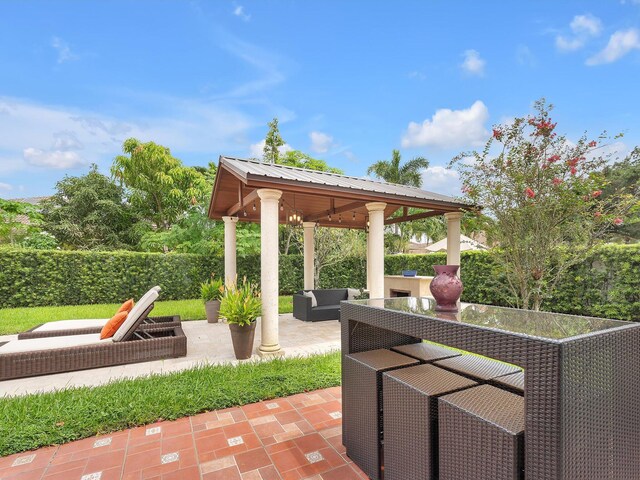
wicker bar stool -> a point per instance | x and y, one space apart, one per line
481 369
481 433
411 419
426 352
513 382
362 405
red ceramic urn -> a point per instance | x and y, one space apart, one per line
446 287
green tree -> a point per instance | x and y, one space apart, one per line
296 158
18 222
89 212
392 172
625 176
543 195
272 142
160 188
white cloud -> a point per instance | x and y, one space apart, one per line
473 63
5 186
64 50
256 150
524 56
57 159
239 11
441 180
620 43
320 142
450 128
44 136
583 28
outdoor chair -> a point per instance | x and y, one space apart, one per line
93 325
129 344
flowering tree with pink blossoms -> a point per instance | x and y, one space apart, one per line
541 196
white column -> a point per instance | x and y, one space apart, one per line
309 254
229 249
368 265
375 250
269 282
453 238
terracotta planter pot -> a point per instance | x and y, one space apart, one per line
446 288
242 338
212 309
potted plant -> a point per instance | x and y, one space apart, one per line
211 292
240 306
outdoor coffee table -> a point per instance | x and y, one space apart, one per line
582 376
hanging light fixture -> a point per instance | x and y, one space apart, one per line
254 206
340 218
281 205
244 212
329 217
353 217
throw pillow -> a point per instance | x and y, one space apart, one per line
314 301
113 325
126 306
352 293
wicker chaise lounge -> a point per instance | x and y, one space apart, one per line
129 344
60 328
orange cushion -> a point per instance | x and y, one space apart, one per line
113 325
126 306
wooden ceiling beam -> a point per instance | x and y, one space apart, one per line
333 211
415 216
246 200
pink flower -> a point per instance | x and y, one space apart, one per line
592 143
574 170
529 193
497 134
597 214
553 158
617 221
557 181
596 194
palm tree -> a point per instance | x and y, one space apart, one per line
391 171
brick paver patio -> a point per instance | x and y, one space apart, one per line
293 438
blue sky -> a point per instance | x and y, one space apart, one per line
349 81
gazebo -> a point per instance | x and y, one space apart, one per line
271 194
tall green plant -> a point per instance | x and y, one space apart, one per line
241 304
212 290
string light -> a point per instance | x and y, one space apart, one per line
329 217
281 205
244 212
353 217
254 206
340 218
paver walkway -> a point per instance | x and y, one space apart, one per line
293 438
206 343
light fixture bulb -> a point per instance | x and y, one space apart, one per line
254 206
340 218
353 217
244 212
329 217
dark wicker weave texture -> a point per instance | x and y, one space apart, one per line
513 382
478 368
481 435
582 393
426 352
363 417
411 419
159 344
149 323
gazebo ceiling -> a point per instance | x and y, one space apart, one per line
329 199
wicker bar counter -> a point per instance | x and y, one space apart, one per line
582 376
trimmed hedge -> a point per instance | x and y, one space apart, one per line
606 284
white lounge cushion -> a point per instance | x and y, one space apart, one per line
138 309
72 324
352 293
314 300
52 343
80 323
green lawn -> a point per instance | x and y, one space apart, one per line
53 418
15 320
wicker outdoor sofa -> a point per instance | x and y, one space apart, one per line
47 354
